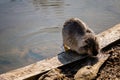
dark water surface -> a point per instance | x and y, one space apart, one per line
30 30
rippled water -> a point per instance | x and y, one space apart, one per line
30 30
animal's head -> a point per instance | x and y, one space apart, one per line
90 45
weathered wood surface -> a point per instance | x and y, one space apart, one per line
105 38
109 36
89 72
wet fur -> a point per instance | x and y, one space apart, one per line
79 37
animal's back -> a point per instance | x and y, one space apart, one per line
75 34
73 30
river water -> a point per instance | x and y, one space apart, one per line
30 30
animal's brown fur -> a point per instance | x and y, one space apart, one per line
79 37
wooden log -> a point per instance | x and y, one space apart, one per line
30 71
109 36
89 72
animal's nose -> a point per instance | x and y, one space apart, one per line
95 52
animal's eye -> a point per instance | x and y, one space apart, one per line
86 41
86 46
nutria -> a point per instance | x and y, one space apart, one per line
77 36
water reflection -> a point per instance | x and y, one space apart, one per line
13 0
30 48
47 3
50 6
30 30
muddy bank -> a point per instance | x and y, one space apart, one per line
110 70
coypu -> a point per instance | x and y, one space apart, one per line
77 36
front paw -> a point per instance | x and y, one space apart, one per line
66 48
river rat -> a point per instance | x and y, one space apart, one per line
77 36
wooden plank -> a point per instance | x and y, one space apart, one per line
109 36
105 38
89 72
